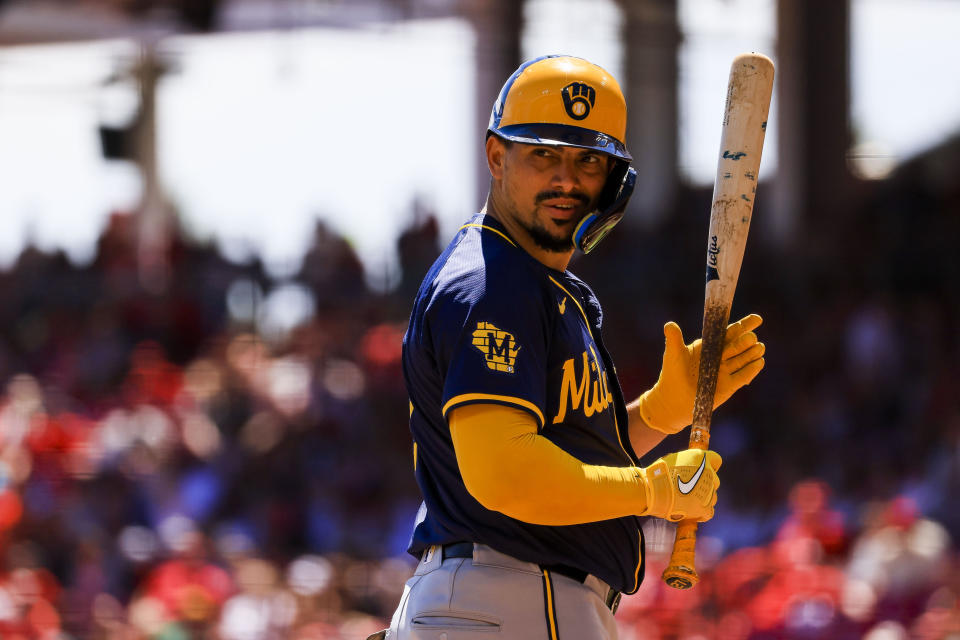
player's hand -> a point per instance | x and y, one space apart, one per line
682 486
668 405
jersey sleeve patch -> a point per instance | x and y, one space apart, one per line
499 348
489 327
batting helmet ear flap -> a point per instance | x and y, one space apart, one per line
610 208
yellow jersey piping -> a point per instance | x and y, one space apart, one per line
467 398
414 442
636 573
496 231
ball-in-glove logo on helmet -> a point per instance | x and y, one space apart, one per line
578 98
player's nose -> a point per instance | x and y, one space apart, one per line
566 174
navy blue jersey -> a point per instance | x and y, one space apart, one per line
491 324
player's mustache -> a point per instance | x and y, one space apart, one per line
549 195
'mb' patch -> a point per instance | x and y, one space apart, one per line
498 347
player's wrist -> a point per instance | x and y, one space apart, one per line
656 484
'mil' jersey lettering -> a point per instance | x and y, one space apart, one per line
491 324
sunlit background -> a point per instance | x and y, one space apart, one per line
303 121
214 216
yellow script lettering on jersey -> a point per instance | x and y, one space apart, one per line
590 389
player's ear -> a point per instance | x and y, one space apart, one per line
496 153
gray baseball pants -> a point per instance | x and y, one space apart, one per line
496 595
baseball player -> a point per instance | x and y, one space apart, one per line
524 448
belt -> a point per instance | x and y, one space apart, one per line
465 550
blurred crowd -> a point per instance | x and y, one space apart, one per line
229 458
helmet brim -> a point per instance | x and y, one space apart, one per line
563 135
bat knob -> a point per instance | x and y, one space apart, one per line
680 577
678 582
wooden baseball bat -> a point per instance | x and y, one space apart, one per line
741 144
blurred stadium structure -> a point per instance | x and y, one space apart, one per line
191 447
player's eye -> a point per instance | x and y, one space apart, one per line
543 152
592 162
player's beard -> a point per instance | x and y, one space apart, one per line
554 241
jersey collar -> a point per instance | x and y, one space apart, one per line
486 222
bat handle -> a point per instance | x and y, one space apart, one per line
681 572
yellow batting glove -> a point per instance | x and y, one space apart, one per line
682 486
668 405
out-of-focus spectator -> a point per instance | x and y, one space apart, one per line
231 456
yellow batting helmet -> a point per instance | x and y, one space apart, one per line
566 101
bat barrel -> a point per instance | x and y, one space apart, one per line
738 164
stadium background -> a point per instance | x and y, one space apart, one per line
203 422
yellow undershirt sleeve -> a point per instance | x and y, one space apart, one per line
508 467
